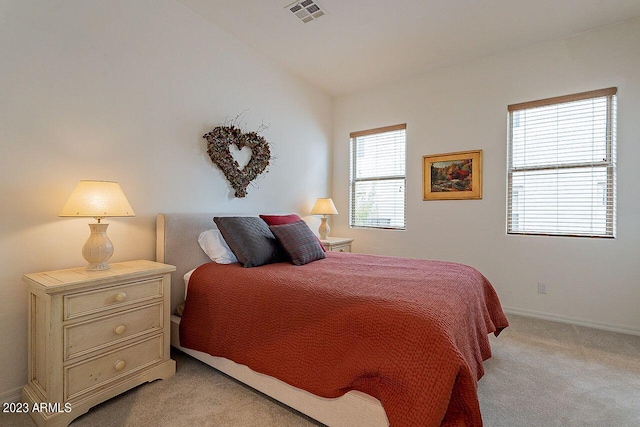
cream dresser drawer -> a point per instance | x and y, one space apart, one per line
81 338
84 303
95 334
337 244
94 373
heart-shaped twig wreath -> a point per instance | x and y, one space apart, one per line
218 142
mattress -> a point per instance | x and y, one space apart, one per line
411 333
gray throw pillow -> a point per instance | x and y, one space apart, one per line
298 241
250 240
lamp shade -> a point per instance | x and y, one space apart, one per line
324 206
97 199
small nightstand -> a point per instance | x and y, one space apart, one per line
94 335
337 244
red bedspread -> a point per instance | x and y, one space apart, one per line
412 333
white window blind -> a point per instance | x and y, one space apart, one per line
561 165
377 190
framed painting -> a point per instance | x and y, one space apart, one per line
452 176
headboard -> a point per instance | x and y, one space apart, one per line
177 244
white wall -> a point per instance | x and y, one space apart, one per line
593 281
124 91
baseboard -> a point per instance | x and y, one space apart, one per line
11 396
571 320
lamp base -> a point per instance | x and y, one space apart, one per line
98 248
98 266
324 228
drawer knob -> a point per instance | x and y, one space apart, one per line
119 330
119 365
120 296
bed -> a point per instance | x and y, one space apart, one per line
177 244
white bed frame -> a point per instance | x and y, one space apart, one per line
177 244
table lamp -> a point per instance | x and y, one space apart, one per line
97 199
324 206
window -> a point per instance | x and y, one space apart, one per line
377 190
561 165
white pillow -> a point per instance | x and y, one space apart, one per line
213 244
186 278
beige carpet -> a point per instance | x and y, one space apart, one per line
541 374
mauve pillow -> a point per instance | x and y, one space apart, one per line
280 219
299 242
250 239
286 219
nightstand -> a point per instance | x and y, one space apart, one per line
337 244
95 334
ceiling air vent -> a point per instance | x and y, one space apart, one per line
306 10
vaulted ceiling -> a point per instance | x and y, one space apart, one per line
362 43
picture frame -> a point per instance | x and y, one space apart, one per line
452 176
